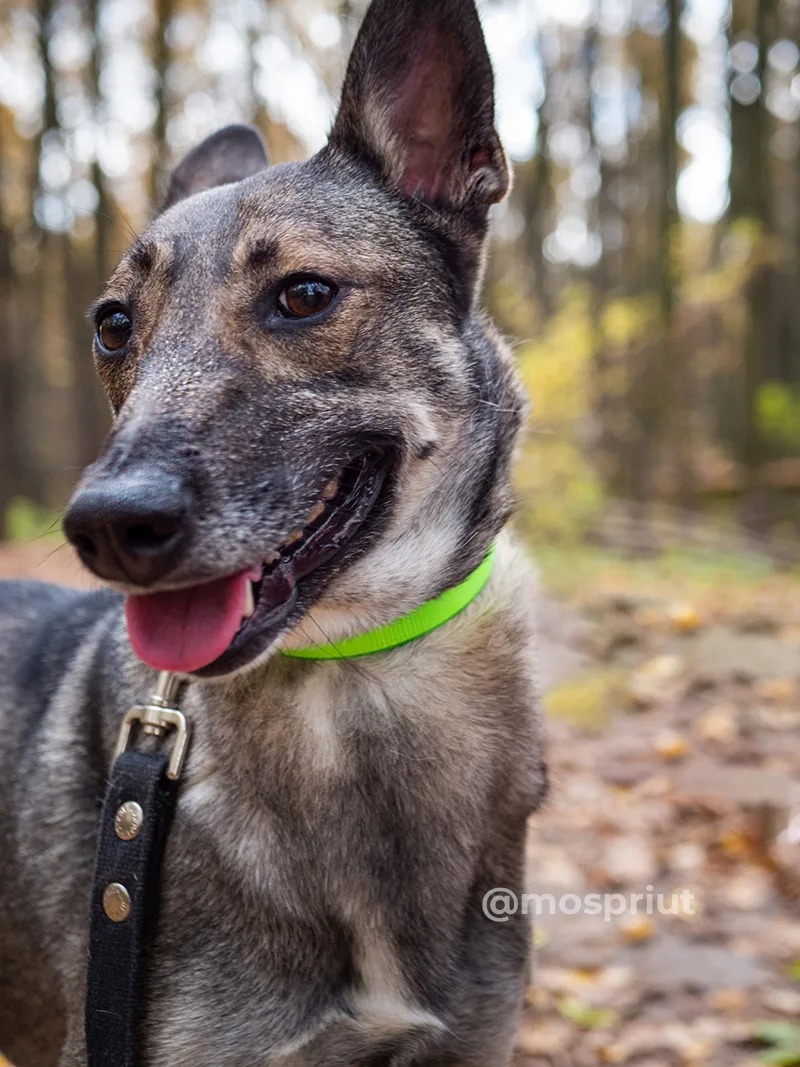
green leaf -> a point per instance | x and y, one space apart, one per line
785 1041
25 520
781 1057
586 1017
778 412
778 1033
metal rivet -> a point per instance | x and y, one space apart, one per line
116 902
128 820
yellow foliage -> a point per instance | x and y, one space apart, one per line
588 701
627 320
558 489
588 363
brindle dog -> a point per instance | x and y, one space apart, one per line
313 428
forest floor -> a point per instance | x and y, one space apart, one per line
673 704
673 700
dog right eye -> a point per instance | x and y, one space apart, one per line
113 331
305 297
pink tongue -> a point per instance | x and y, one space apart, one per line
189 629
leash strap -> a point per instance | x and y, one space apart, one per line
135 821
124 897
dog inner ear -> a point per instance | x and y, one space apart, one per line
227 156
418 102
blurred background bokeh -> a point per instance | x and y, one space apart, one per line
647 264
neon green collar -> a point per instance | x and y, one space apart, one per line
427 617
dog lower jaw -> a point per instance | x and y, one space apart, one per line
258 605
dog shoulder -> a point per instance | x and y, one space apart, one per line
41 628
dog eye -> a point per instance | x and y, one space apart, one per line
305 297
113 332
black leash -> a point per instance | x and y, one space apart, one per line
135 821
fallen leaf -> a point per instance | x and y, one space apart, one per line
730 1001
670 745
686 857
544 1037
784 1039
685 618
749 889
585 1016
778 690
630 859
784 1001
720 723
637 928
588 701
656 681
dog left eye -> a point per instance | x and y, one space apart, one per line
113 331
305 297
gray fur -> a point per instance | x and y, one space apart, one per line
338 823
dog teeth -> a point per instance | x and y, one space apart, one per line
273 557
315 512
293 538
331 489
249 602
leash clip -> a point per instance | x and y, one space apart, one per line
156 717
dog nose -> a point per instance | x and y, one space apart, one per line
131 529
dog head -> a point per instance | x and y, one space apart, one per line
311 415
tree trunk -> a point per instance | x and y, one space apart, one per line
161 60
536 203
103 221
675 383
12 453
82 285
750 197
659 380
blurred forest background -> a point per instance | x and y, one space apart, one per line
647 263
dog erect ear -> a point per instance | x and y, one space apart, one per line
418 102
228 155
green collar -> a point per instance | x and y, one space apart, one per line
427 617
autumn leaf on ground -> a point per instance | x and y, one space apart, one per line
585 1016
784 1039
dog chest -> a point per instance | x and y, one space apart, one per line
328 863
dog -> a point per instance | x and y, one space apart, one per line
314 425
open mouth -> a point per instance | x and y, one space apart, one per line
220 626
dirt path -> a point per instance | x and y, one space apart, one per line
46 561
675 758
